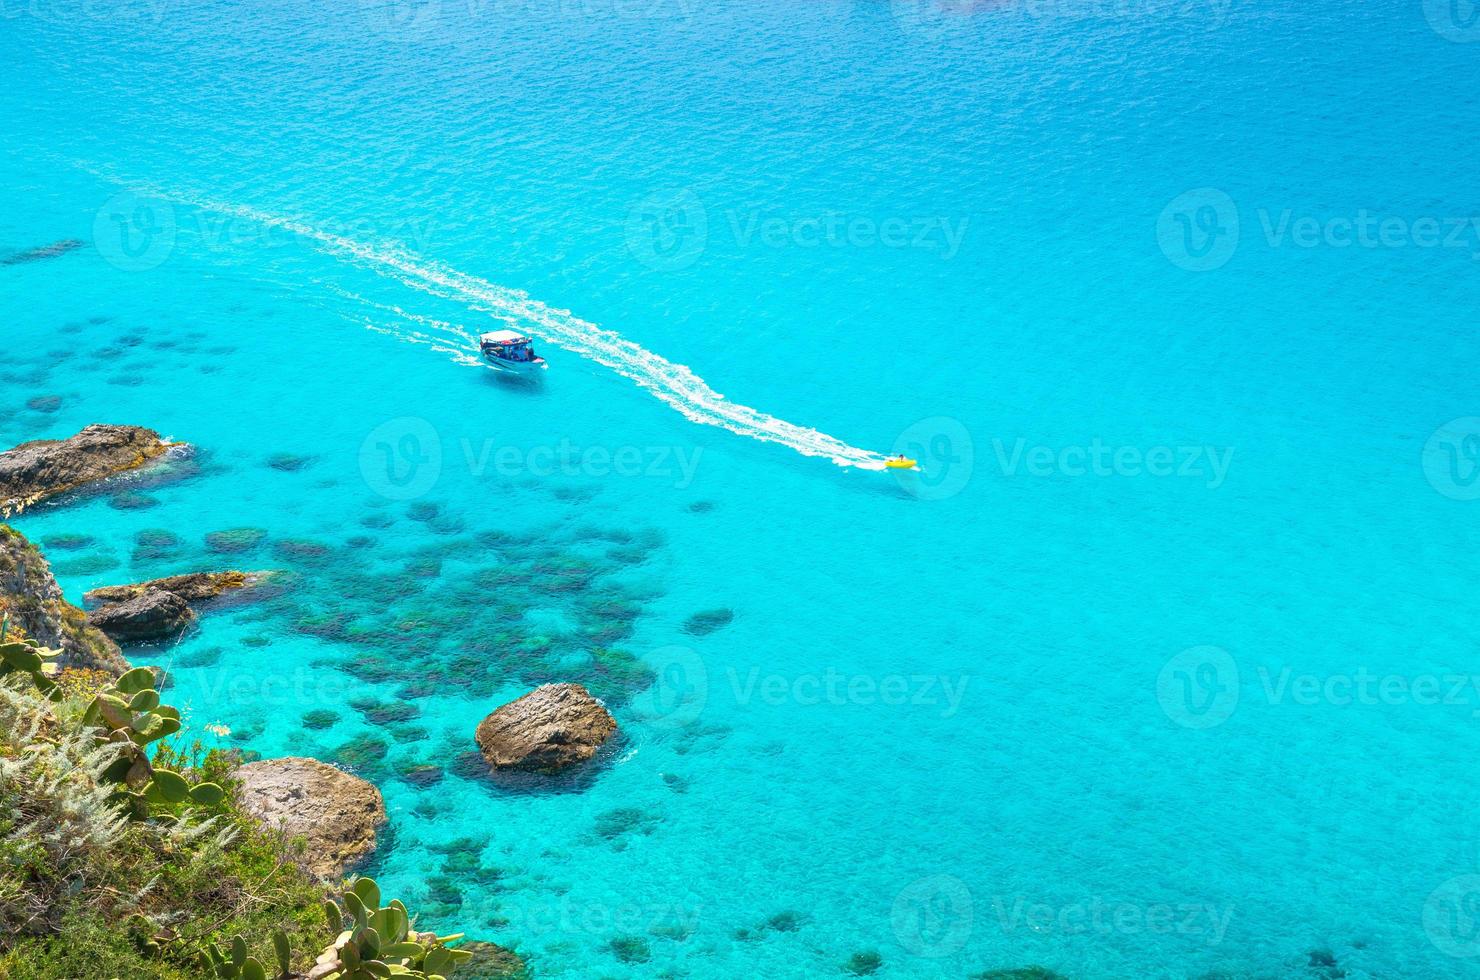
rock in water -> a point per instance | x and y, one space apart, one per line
34 471
551 728
195 587
31 596
151 615
338 814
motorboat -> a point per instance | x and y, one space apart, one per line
509 350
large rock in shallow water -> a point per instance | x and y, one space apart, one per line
34 471
338 814
31 596
194 587
151 615
549 729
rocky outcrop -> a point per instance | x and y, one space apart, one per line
31 596
336 813
160 609
551 728
151 615
34 471
194 587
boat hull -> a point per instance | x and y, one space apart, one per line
515 367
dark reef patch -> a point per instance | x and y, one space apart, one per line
363 753
612 825
42 252
132 500
94 564
631 949
706 622
420 774
235 541
320 719
68 542
204 657
289 462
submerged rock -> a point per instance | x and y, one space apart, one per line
551 728
490 962
706 622
194 587
43 468
31 596
289 462
42 252
69 542
235 540
132 500
151 615
338 814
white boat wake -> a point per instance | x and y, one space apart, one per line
673 384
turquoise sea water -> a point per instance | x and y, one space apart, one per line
1037 704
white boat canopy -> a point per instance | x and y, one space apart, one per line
503 338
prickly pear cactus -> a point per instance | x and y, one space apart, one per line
235 964
21 656
377 941
129 714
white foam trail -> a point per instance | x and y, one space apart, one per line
673 384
